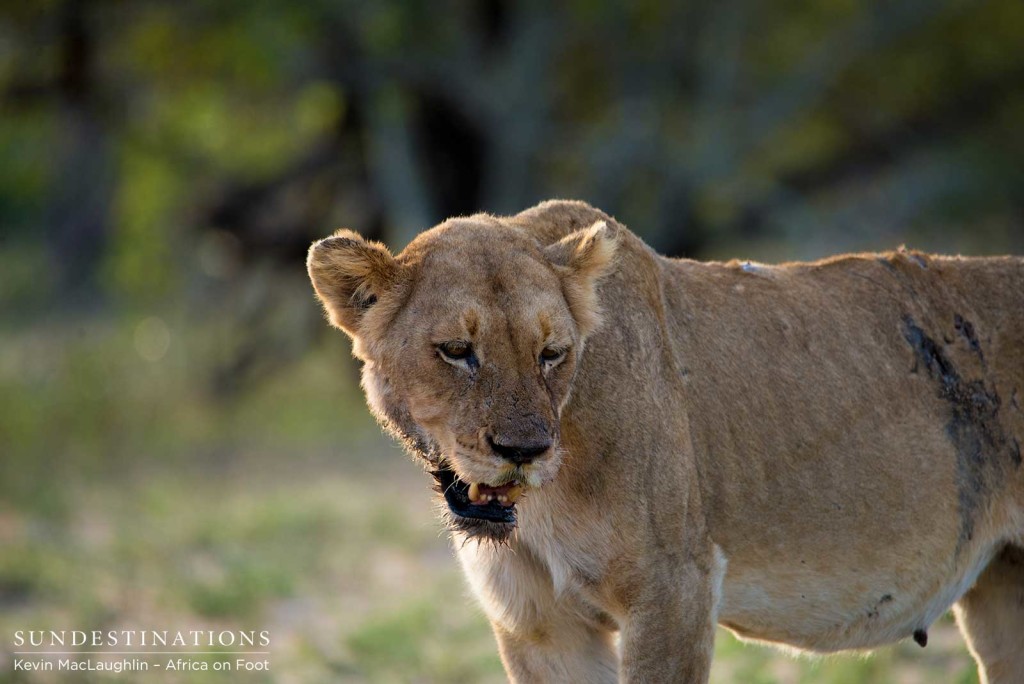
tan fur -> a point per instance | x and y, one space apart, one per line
822 455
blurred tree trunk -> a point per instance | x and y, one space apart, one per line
395 168
78 216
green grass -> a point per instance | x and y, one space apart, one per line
134 497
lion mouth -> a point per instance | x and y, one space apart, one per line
477 500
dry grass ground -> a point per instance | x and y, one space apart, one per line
352 579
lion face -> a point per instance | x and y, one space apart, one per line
470 339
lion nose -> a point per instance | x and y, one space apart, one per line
519 454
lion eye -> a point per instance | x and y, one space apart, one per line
551 354
456 351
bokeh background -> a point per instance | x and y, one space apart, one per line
182 440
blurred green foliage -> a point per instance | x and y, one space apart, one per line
132 129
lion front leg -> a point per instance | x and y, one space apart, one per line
572 652
670 630
542 637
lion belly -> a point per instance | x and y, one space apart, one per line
806 610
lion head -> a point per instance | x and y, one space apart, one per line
469 339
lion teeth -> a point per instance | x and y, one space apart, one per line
481 495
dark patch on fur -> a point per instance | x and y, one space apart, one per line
966 330
887 264
973 427
886 598
921 637
916 257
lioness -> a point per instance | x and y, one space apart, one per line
824 455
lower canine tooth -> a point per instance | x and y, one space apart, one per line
514 493
474 492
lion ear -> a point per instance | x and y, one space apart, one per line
583 258
349 274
